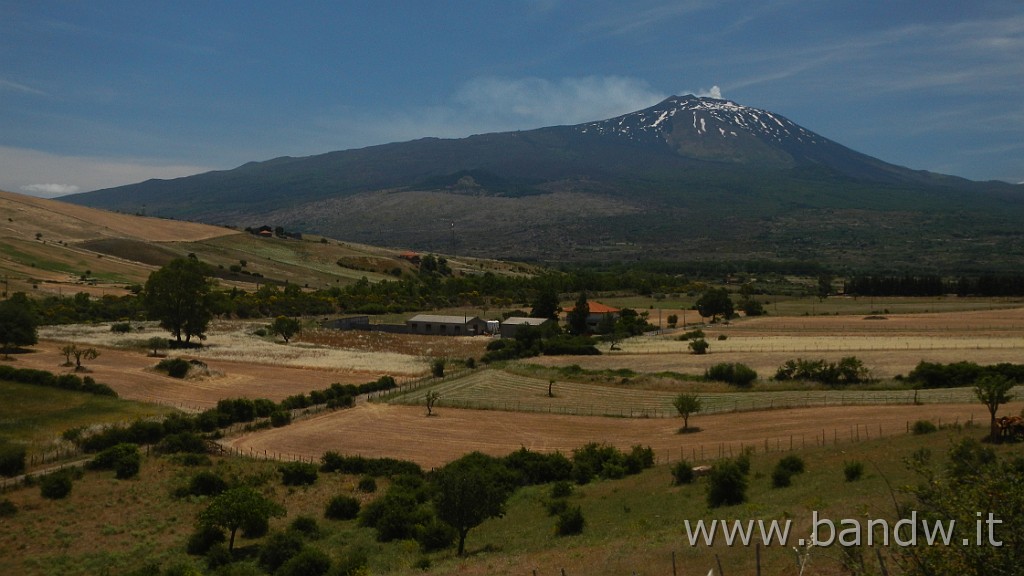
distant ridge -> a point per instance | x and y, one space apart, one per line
687 178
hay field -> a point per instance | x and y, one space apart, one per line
888 347
405 432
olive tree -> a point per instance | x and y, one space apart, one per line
469 491
236 508
687 404
993 391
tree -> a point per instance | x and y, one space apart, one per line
285 327
156 344
238 507
577 317
471 490
824 286
699 346
17 323
178 295
687 404
714 303
993 390
79 353
432 398
546 304
673 319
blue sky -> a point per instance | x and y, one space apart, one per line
97 94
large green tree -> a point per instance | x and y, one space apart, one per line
239 507
17 323
471 490
714 303
178 295
546 304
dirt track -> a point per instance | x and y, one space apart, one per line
405 432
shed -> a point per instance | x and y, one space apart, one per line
446 325
511 326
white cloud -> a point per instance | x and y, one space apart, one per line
536 102
715 92
8 85
50 190
44 174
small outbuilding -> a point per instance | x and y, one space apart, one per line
512 325
437 325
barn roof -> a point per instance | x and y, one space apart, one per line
438 319
520 320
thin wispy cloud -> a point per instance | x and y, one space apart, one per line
50 190
17 87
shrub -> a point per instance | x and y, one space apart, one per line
55 486
305 525
792 463
124 459
849 370
308 562
121 327
682 473
175 367
699 346
200 542
561 489
218 555
731 373
367 484
727 484
570 522
435 535
781 477
280 418
723 337
923 427
853 470
12 459
557 506
206 483
298 473
437 367
342 508
692 334
278 548
7 508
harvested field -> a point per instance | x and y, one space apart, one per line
131 375
405 432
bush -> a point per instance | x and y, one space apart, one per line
727 484
308 562
853 470
121 327
206 483
56 486
561 489
435 535
124 459
923 427
849 370
682 473
7 508
792 463
367 484
437 368
280 418
342 508
781 477
305 525
692 335
699 346
557 506
12 459
731 373
278 548
200 542
218 555
298 473
570 522
175 367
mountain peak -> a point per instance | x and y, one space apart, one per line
688 117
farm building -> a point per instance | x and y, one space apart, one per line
446 325
511 326
598 312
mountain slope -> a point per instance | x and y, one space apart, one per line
687 178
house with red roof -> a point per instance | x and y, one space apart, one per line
598 313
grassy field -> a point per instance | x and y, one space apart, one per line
633 526
36 416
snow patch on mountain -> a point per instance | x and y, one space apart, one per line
710 117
